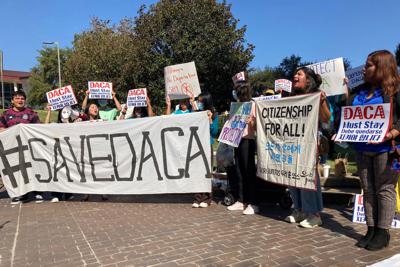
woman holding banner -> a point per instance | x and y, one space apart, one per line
205 103
65 115
378 179
308 204
245 167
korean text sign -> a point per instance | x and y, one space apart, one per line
287 140
232 132
367 123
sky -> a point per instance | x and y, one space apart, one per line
316 30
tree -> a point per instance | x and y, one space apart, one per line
104 53
45 75
178 31
262 79
397 52
288 66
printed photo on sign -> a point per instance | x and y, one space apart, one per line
367 123
287 140
181 81
100 90
239 77
61 97
283 85
233 129
355 76
155 155
137 98
332 74
359 212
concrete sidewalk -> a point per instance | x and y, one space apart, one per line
166 231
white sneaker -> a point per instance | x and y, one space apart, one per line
15 201
311 221
39 199
54 200
251 210
295 217
236 206
203 205
195 205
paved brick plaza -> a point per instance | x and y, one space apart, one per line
166 231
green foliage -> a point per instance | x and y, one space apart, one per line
263 79
179 31
104 53
45 75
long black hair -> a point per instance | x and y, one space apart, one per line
207 101
314 81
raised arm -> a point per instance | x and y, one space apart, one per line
47 120
117 104
168 103
85 100
149 108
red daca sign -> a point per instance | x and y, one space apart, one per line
59 92
364 112
135 92
100 85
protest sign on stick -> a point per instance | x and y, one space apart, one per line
181 81
233 129
61 97
155 155
368 123
283 85
100 90
332 74
355 76
137 98
287 140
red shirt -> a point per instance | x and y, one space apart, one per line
10 117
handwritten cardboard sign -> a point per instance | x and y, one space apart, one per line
61 97
332 74
137 98
100 90
287 140
181 81
367 123
283 85
355 77
233 129
359 212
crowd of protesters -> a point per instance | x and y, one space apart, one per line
378 180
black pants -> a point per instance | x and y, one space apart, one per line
242 176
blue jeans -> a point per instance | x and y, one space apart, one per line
306 200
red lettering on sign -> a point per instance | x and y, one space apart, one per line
99 85
59 92
366 112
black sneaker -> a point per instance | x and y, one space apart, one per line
15 201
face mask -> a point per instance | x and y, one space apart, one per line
200 105
103 102
234 95
66 113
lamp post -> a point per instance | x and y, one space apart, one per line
2 81
59 62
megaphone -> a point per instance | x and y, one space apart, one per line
68 112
